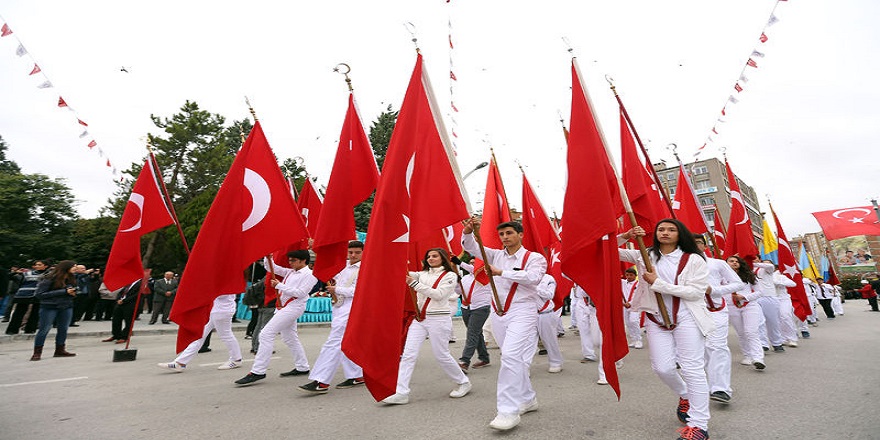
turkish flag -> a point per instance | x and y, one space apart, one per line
145 212
685 205
739 229
788 267
252 215
352 180
847 222
592 204
310 204
539 235
718 232
418 194
496 210
643 192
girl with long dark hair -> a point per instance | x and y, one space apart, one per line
746 315
434 285
681 276
55 293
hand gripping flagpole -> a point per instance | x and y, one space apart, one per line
626 204
499 308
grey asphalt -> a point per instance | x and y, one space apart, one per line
826 388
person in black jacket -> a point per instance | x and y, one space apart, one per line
126 303
55 293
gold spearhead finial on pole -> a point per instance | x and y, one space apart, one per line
611 83
345 73
411 28
251 108
241 131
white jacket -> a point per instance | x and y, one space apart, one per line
782 284
423 284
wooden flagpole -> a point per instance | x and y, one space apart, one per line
499 309
626 204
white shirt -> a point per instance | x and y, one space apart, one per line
722 279
782 284
546 292
528 278
346 280
480 294
764 275
296 284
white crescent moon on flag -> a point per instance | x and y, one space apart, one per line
735 195
138 200
863 210
260 195
448 233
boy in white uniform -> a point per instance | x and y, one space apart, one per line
221 319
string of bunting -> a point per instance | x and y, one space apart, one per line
45 83
453 80
740 84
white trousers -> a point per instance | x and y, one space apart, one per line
686 345
547 327
836 305
787 319
718 353
222 322
284 322
517 335
435 328
770 309
331 352
747 321
633 329
596 335
584 314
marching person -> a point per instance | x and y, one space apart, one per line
825 294
786 309
547 323
631 318
681 276
341 291
476 298
722 282
433 285
584 315
836 300
56 293
294 293
771 332
517 273
746 315
221 319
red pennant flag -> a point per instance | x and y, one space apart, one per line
685 205
738 88
93 144
310 204
352 180
61 102
643 192
454 108
718 232
496 210
592 205
5 30
848 222
82 123
419 193
739 229
764 37
752 63
788 267
832 276
108 164
252 215
35 70
145 212
724 111
452 76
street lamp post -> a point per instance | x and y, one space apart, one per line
481 165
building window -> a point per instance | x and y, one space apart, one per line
670 176
707 201
702 169
702 184
661 177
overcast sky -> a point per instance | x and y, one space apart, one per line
804 130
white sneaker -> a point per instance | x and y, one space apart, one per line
397 399
791 344
503 422
746 361
461 390
230 365
172 366
602 381
619 364
638 345
554 369
529 407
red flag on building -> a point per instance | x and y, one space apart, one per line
418 194
252 216
145 212
740 239
539 235
685 204
310 204
352 180
592 205
848 222
644 195
788 267
496 210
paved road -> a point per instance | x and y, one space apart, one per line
826 388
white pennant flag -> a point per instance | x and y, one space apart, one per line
732 99
45 85
21 51
100 152
743 78
755 53
84 134
773 20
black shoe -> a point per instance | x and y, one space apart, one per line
294 372
720 396
204 350
166 322
151 323
778 349
542 352
759 365
766 348
73 325
315 387
235 320
682 411
805 335
350 383
250 378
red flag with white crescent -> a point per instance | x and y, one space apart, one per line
848 222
